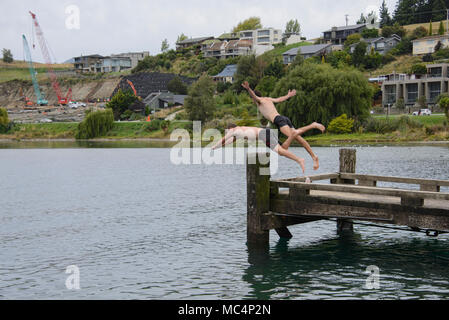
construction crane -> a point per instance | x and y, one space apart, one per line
134 89
45 53
40 98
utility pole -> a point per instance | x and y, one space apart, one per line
347 15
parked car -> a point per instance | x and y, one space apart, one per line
422 112
46 120
76 105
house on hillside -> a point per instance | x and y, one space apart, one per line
338 35
307 52
411 87
381 45
228 49
191 42
114 63
162 100
427 45
227 75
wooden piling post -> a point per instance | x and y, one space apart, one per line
258 199
348 162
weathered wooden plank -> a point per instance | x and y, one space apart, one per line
273 221
320 210
258 200
317 177
364 190
414 217
430 182
348 161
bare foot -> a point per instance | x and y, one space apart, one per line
302 163
316 164
319 126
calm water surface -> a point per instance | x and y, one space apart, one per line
139 227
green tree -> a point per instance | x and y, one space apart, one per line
266 85
400 104
251 23
438 10
419 32
324 93
181 37
444 104
441 29
387 31
200 102
275 69
177 86
293 27
353 38
7 56
385 18
4 121
419 69
358 56
120 102
165 46
370 33
249 68
341 125
404 13
95 124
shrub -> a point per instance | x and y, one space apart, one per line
5 124
382 126
230 98
95 124
418 69
341 125
4 119
154 125
120 102
444 104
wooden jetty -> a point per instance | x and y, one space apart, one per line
277 204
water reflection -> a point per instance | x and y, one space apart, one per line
336 267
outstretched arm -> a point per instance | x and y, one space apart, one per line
229 138
291 93
251 92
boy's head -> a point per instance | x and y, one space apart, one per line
257 92
231 126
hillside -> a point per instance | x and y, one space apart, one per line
402 64
18 70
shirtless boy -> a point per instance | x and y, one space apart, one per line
268 110
264 134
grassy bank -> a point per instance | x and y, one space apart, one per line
141 130
18 70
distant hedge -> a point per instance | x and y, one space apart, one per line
4 120
95 124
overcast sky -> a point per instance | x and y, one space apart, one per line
115 26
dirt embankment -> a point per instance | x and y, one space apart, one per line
12 93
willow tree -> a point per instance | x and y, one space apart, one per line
200 103
324 93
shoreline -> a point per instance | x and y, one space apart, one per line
165 140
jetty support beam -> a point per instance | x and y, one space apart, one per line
348 162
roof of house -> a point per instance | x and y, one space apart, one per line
194 40
228 71
307 49
355 26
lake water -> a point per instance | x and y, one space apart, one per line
139 227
